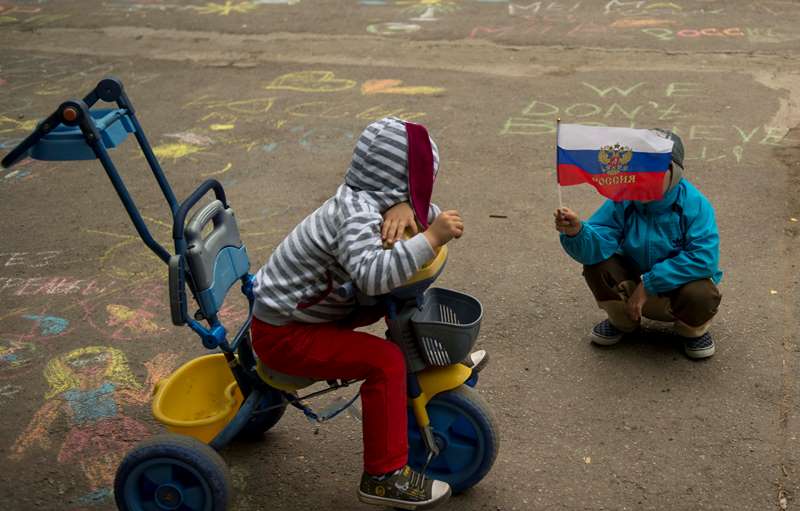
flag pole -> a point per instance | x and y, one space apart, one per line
558 181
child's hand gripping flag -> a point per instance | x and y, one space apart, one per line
621 163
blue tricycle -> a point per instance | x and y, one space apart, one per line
214 399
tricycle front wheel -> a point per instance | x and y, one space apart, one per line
464 430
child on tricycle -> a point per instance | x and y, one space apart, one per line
300 323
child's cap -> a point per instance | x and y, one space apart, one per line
677 145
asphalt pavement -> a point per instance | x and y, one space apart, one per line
269 96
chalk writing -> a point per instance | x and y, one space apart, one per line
638 7
667 34
622 108
28 259
548 8
40 286
753 35
534 25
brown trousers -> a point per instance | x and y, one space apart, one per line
691 307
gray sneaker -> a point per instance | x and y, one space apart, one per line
405 489
699 347
606 334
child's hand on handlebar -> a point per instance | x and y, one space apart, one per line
396 220
448 225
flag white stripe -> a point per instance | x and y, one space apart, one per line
579 137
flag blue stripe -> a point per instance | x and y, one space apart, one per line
640 162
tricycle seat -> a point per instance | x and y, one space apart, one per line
282 381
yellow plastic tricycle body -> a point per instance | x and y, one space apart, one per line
434 381
199 398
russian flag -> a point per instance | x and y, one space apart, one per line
621 163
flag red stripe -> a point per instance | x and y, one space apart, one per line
620 187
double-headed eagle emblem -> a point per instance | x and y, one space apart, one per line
614 159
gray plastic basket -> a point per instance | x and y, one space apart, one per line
447 326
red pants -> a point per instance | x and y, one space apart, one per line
328 351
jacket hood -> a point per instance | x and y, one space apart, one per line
395 161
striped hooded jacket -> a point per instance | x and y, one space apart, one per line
341 242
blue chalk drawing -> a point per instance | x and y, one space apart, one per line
48 325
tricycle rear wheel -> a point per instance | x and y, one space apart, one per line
267 413
170 472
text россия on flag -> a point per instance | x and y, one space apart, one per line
621 163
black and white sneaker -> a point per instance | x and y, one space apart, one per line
404 489
477 360
699 347
606 334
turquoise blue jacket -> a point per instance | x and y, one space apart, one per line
672 241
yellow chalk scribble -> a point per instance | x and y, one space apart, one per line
381 111
175 150
136 320
393 87
640 23
145 265
222 127
662 6
7 124
61 373
311 81
224 170
224 9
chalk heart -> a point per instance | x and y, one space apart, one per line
393 87
311 81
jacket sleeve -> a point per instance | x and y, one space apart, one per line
600 236
699 258
433 212
373 269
